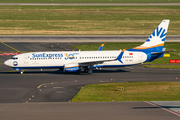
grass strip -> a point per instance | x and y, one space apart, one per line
87 20
133 91
89 1
163 66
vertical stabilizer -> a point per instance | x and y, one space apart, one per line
156 40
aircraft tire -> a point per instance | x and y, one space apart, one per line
90 71
21 72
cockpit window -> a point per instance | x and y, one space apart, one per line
14 58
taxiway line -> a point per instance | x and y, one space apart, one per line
9 46
43 85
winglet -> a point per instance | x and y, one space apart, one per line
123 49
101 47
120 55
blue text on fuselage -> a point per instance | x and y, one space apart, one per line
34 55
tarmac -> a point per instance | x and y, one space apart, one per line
80 38
88 111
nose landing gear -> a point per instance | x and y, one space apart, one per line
21 72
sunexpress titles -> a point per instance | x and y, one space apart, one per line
34 55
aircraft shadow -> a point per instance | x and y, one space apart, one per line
110 71
61 72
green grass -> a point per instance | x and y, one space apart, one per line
87 20
133 91
163 66
107 46
117 46
89 1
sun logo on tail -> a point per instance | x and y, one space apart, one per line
158 34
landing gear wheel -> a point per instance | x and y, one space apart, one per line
90 71
21 72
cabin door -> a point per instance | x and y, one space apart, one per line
26 59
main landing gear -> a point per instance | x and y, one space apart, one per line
88 71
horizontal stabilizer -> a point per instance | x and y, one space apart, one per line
161 52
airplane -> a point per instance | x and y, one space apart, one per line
76 61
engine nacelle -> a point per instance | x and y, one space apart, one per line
71 68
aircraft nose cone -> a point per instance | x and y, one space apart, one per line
7 62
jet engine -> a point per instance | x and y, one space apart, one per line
71 68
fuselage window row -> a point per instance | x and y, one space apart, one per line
96 57
43 58
82 57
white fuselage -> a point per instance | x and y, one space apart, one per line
58 59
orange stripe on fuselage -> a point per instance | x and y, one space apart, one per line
142 47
